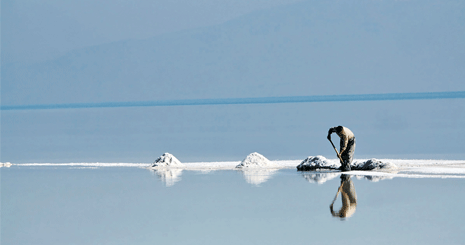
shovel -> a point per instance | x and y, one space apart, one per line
339 156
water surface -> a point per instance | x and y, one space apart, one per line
117 205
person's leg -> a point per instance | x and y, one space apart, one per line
348 155
346 164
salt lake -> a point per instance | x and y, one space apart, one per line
86 204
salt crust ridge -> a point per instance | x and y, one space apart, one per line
406 168
373 164
166 160
320 162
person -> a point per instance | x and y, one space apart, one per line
347 145
348 196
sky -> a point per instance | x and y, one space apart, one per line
65 52
41 30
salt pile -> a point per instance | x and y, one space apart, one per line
318 162
5 164
255 160
373 164
166 160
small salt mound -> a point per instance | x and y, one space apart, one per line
255 160
318 162
167 160
5 164
373 164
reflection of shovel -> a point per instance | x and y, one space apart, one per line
338 190
339 156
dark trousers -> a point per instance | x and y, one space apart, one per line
348 155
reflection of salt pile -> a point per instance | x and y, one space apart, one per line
374 178
166 160
319 178
318 162
256 168
5 164
258 176
169 176
255 160
373 164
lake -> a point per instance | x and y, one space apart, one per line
133 205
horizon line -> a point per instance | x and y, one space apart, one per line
239 101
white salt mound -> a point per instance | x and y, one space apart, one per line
255 160
318 162
373 164
167 160
5 164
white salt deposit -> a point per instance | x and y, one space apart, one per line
373 164
84 165
167 160
318 162
406 168
211 166
256 160
5 164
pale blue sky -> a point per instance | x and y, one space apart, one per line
40 30
57 52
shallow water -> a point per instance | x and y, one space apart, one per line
116 205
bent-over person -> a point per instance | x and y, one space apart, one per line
347 145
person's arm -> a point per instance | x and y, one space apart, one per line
331 130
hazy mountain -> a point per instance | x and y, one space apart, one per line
313 47
308 48
34 31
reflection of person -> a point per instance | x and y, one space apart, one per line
347 144
349 198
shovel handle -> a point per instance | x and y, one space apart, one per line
339 156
